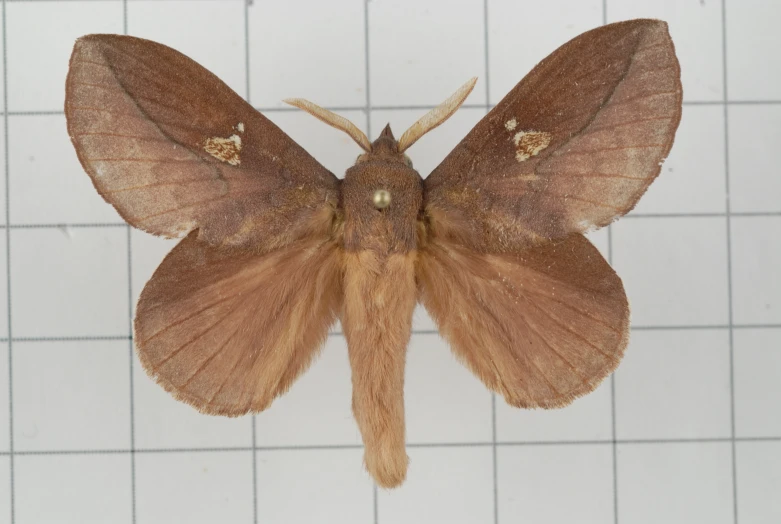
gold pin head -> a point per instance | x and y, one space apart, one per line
381 199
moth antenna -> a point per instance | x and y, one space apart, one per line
436 116
333 120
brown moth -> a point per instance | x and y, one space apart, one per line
276 248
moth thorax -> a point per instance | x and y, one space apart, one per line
381 198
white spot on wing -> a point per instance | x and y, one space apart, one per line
511 124
530 143
240 127
225 149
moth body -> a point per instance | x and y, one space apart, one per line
380 244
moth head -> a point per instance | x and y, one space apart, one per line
386 148
386 145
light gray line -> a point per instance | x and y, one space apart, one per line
282 109
368 112
131 347
729 263
8 275
367 69
254 418
494 454
420 445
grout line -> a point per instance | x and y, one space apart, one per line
738 214
730 316
131 345
368 112
613 402
281 109
367 70
254 473
87 338
12 494
432 445
614 446
71 339
131 351
253 419
494 455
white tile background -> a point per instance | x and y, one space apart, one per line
687 431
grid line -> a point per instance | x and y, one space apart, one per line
414 332
730 317
131 345
414 107
12 502
635 216
412 445
614 446
368 111
494 465
253 419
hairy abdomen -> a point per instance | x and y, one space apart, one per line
380 296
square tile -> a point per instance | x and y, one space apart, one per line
314 50
73 489
5 419
5 489
146 253
331 147
71 395
675 482
756 280
453 485
47 183
754 158
210 32
692 179
757 385
753 43
330 485
44 35
444 401
83 293
432 149
194 487
759 481
317 409
696 31
163 422
517 41
553 484
421 51
674 269
674 384
588 418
